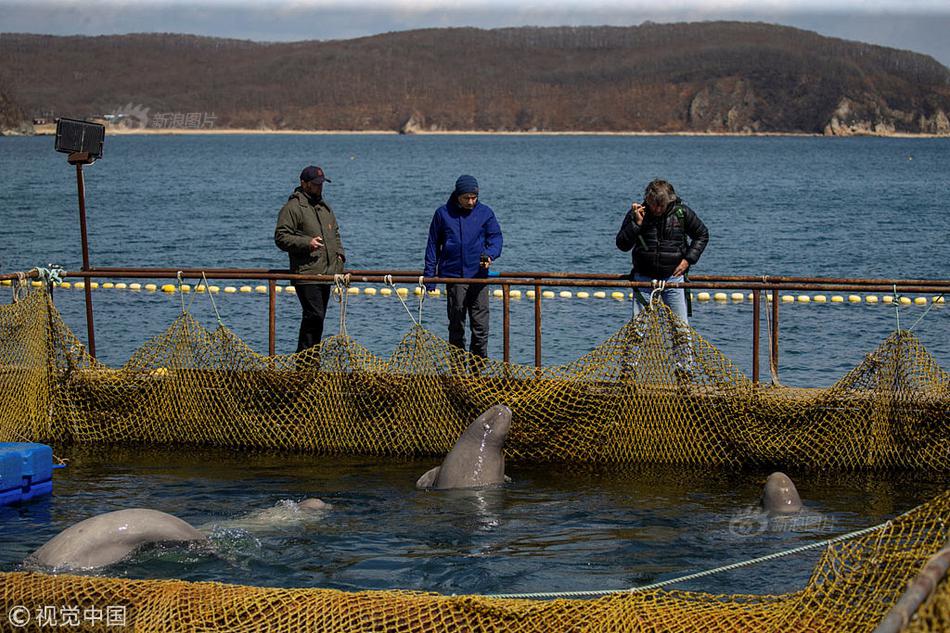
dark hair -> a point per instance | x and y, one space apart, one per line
659 193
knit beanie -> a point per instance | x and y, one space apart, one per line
466 184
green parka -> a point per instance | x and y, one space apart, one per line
300 221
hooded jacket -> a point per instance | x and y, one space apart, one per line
299 221
457 240
659 244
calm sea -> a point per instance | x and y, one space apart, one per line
780 206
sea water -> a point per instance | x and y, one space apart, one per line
860 207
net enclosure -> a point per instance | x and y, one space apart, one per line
655 392
851 588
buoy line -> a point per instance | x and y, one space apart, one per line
498 293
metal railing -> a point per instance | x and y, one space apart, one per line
772 285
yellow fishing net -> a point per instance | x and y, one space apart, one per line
652 393
852 587
655 392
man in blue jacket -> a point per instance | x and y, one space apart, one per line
464 240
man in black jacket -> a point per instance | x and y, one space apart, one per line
667 237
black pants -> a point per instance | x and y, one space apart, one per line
313 299
472 300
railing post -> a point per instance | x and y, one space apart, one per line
272 316
756 296
81 186
537 324
506 321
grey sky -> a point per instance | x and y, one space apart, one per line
918 25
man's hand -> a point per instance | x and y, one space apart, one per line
638 211
316 243
486 262
681 269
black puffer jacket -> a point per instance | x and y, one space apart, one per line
660 243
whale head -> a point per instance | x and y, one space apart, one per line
313 503
780 495
495 424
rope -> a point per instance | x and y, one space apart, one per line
194 296
52 275
422 296
658 287
701 574
342 283
929 308
181 295
211 296
768 318
389 281
897 307
19 286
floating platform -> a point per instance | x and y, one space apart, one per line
26 471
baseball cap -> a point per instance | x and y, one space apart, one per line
314 173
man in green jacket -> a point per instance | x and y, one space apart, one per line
308 231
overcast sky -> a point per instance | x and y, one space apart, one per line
918 25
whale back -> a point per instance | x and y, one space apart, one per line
108 538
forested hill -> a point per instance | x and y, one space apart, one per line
715 76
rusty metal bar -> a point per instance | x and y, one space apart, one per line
228 274
773 358
537 325
763 280
506 322
81 186
756 296
918 591
271 317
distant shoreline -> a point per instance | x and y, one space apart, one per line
49 130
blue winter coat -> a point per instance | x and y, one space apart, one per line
457 240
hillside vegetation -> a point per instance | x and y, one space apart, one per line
697 77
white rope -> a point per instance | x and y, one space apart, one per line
929 308
342 286
181 295
422 297
702 574
19 286
193 297
897 307
768 319
389 280
52 275
211 296
659 285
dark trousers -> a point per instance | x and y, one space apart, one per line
313 299
471 300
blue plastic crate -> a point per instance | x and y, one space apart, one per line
26 471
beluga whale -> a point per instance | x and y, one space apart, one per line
108 538
780 495
477 460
